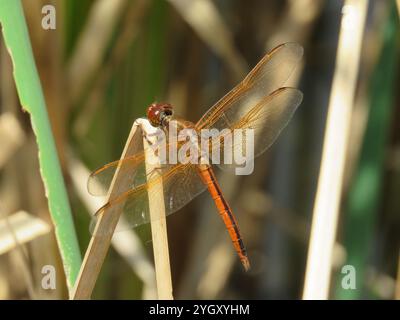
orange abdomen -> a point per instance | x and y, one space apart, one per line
225 212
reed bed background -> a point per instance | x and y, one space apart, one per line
107 60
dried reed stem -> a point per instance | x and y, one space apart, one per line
326 207
98 246
127 243
158 222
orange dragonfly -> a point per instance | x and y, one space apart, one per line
259 102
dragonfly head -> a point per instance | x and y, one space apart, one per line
157 113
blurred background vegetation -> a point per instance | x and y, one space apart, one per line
107 60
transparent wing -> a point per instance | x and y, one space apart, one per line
100 180
266 77
266 118
180 183
133 169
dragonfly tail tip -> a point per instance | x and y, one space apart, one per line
246 264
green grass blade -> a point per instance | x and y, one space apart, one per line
365 194
31 97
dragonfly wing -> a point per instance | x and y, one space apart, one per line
180 184
266 77
132 169
266 119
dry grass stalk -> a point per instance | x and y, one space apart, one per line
126 243
107 222
93 40
326 207
207 22
158 223
19 228
98 246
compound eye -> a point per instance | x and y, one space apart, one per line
154 122
157 112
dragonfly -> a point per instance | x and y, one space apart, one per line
260 102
